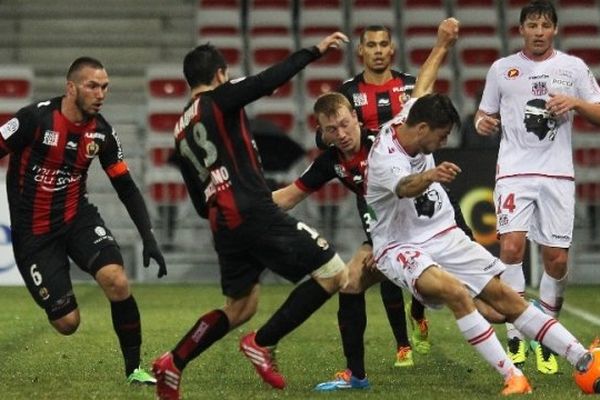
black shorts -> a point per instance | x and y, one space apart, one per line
289 248
43 260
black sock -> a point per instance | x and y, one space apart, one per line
305 299
417 310
127 325
352 321
391 295
208 329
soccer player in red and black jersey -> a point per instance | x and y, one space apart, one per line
219 161
51 145
346 148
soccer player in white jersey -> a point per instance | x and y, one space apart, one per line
531 97
417 246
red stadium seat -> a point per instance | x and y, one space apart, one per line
588 192
423 3
163 121
220 3
321 4
588 157
582 125
283 120
168 87
317 86
5 116
160 155
268 50
14 88
168 192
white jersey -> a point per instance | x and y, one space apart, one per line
533 141
397 220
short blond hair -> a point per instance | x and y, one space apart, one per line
329 104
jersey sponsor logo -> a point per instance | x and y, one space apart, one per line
383 103
91 149
428 203
512 73
10 127
359 99
53 180
539 88
119 148
561 82
95 135
50 138
538 120
71 145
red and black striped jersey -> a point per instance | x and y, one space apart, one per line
219 159
377 104
331 164
49 161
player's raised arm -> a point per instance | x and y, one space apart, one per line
446 37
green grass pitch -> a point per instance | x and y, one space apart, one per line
38 363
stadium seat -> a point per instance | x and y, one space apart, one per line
477 19
371 12
166 81
587 157
16 86
588 192
163 114
586 48
218 21
423 20
478 51
265 51
579 21
270 18
281 113
581 125
416 50
165 186
318 81
320 18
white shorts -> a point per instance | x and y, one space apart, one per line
452 251
544 207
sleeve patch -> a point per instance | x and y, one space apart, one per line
9 128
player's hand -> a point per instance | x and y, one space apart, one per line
560 104
486 125
447 33
333 41
444 172
151 250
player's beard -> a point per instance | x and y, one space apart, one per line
86 112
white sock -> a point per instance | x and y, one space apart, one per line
513 276
480 334
551 294
545 329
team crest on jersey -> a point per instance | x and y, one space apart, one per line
512 73
50 138
359 99
539 88
91 149
428 203
9 128
340 170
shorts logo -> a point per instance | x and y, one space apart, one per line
50 138
359 99
100 231
322 243
9 128
44 294
502 219
564 238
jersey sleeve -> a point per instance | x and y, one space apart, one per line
386 170
236 93
587 86
17 132
490 99
111 156
318 173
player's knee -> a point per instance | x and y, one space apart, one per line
512 251
333 275
240 311
555 262
68 324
